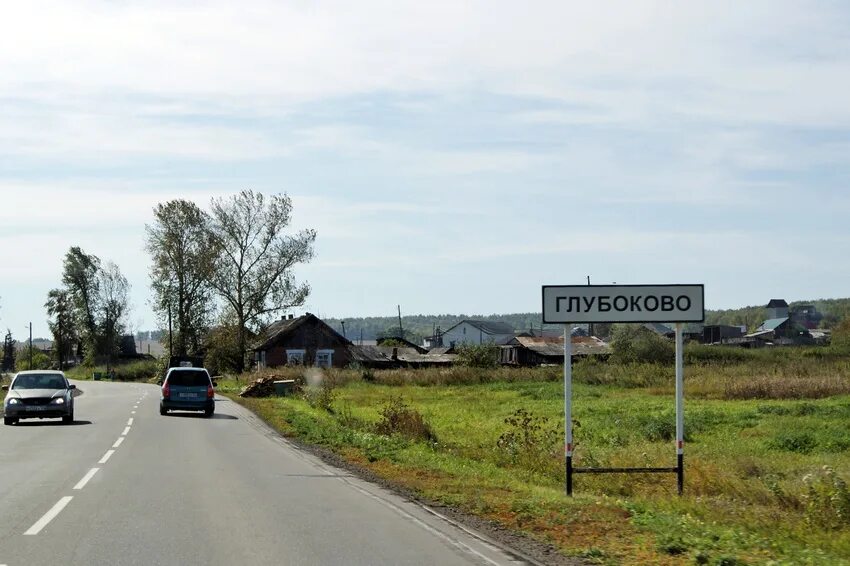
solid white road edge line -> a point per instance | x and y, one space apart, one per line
49 516
106 456
118 442
130 421
126 430
82 483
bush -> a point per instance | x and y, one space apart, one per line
398 418
636 344
827 500
478 355
530 441
40 360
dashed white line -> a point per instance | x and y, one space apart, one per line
130 421
118 442
82 483
126 430
132 412
106 456
49 516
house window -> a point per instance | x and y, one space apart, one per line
464 330
295 357
324 358
261 359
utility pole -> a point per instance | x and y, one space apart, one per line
30 345
400 329
342 322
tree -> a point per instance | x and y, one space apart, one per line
114 304
183 255
80 277
61 323
8 352
253 271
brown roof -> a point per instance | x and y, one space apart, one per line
280 328
554 345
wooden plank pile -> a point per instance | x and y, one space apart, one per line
262 387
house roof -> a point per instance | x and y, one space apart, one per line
773 323
659 328
367 354
554 346
486 326
280 328
776 303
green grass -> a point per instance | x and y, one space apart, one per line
764 474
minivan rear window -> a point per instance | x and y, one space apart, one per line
188 378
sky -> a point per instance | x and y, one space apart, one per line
452 156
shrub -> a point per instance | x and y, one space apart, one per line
40 360
636 344
399 418
827 500
530 441
794 441
478 355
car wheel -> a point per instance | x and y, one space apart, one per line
68 419
163 410
9 420
208 413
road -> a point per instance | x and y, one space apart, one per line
124 485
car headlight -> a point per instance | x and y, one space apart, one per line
13 401
58 401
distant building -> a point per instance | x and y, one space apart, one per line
307 340
538 350
721 333
806 315
477 332
777 308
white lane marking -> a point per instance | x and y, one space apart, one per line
82 483
126 430
118 442
106 456
130 421
132 412
49 516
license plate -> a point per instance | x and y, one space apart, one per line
188 395
37 407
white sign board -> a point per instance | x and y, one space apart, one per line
623 303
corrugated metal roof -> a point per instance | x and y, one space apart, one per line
554 345
773 323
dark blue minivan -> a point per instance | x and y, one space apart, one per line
187 389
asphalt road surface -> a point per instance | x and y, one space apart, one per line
124 485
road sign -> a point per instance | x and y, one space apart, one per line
623 303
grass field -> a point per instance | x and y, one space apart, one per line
766 458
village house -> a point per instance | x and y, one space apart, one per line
477 332
307 340
539 350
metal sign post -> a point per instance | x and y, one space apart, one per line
568 406
569 304
680 410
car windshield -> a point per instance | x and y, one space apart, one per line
188 378
39 381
